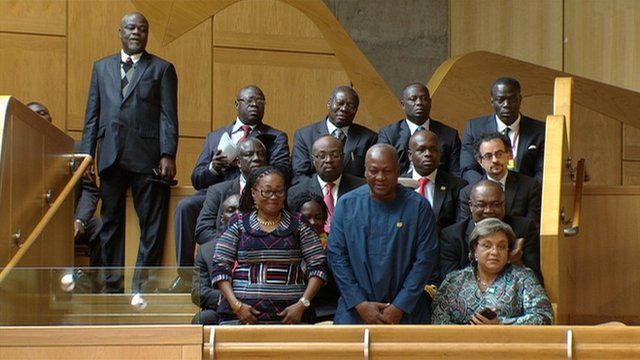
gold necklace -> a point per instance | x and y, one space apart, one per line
486 285
264 222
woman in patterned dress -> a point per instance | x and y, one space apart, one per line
491 282
257 261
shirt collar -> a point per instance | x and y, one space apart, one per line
413 126
243 182
431 177
335 182
515 127
135 57
331 128
502 181
237 125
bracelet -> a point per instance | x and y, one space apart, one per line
236 305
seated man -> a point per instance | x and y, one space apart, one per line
329 181
342 107
439 187
383 247
251 155
202 293
522 193
487 200
213 167
416 104
526 135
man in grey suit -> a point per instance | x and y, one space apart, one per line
356 139
329 181
132 117
252 154
525 135
416 104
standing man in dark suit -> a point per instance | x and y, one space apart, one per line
526 135
329 181
356 139
213 167
252 154
132 117
522 193
416 104
439 187
487 200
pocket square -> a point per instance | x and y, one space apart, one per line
531 147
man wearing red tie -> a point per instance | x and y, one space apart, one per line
440 188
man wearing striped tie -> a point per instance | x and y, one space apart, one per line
132 118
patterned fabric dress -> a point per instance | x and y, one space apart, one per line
515 295
268 274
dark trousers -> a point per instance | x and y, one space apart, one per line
185 219
150 201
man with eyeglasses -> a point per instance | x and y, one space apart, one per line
342 107
416 104
213 166
522 193
488 200
526 135
329 181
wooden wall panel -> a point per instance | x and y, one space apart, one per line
295 85
526 30
188 152
631 173
34 16
602 41
34 69
631 141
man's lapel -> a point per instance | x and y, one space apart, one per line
510 189
140 68
439 193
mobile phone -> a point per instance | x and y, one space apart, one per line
488 313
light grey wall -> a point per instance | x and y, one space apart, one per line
406 40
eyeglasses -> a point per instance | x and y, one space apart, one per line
487 246
323 155
492 206
267 194
258 101
489 156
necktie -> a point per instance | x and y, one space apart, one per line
423 184
511 163
127 69
420 128
339 134
506 132
246 129
328 200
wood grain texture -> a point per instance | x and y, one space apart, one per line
37 71
526 30
602 41
631 143
186 159
631 172
48 17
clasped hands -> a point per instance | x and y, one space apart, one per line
292 314
372 312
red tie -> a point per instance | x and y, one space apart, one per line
246 129
423 183
328 200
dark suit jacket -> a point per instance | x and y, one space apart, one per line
347 183
209 225
522 195
454 244
529 154
86 197
445 198
275 141
202 293
359 140
397 134
145 118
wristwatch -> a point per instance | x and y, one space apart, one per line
305 302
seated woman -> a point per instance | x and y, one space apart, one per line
490 290
269 244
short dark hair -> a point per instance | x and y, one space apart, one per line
246 199
306 196
505 80
486 227
488 137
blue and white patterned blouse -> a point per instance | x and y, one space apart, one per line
515 295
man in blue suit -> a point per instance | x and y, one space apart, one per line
356 139
132 117
213 167
526 135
